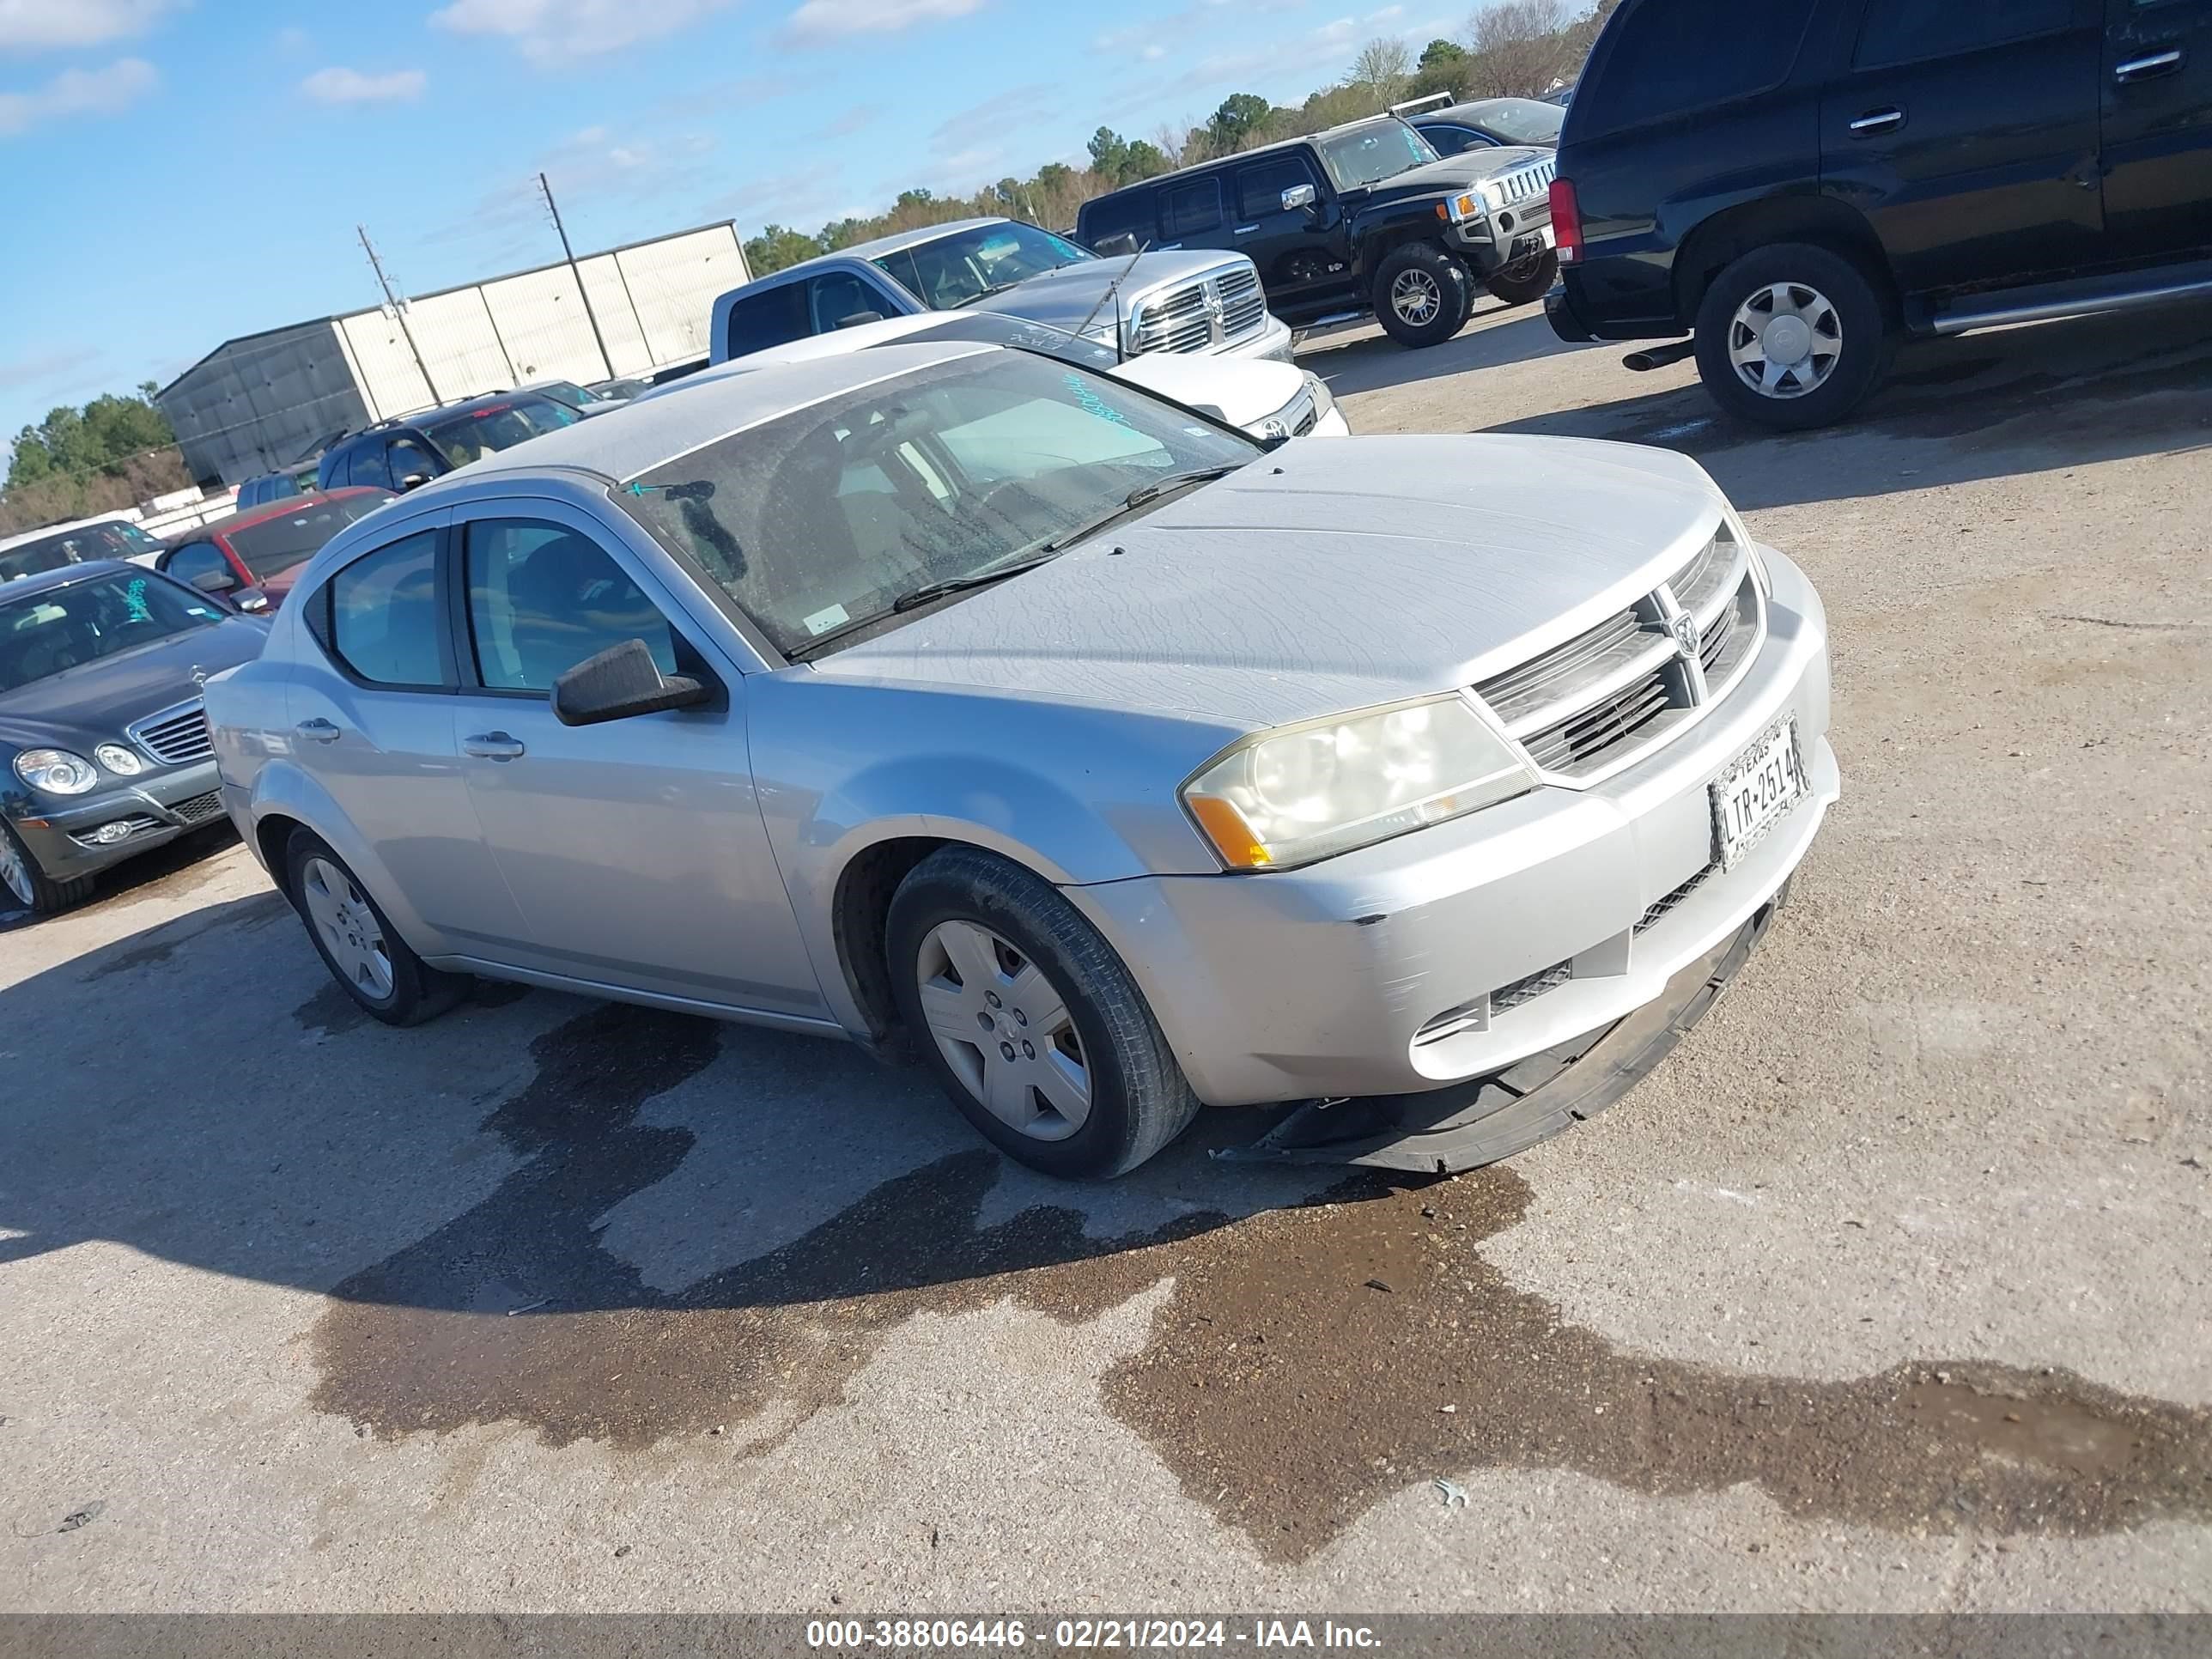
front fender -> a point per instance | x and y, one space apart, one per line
282 789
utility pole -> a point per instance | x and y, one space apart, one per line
591 315
399 310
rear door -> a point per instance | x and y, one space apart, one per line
1966 129
2158 128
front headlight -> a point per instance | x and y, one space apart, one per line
119 759
1324 400
57 771
1309 792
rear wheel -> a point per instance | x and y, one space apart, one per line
1422 296
1032 1024
365 954
31 887
1793 337
1529 278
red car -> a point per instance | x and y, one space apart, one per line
263 551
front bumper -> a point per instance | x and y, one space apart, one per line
1314 983
158 809
1271 344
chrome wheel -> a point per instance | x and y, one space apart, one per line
14 873
1417 298
348 928
1785 340
1004 1030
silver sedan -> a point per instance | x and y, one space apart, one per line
949 698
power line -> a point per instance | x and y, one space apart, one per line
397 309
583 293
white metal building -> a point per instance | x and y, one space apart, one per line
262 401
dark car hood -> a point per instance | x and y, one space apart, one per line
1453 172
92 704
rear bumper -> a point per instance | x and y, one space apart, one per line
159 810
1575 321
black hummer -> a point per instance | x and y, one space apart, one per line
1362 217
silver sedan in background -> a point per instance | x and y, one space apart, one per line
948 695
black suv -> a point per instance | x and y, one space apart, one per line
1362 217
406 454
1798 185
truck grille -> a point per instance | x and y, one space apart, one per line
1217 310
175 737
1524 183
1613 693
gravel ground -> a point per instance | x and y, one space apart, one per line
1887 1291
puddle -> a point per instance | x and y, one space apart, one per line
1296 1375
330 1011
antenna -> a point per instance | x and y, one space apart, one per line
1113 292
399 310
592 316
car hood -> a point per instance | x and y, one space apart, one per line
1064 298
1240 391
93 702
1329 574
1453 172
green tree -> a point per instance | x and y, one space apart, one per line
1109 153
1143 159
778 246
34 462
1239 113
95 440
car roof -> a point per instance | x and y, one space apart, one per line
1473 110
896 243
282 508
23 586
625 442
1257 152
423 416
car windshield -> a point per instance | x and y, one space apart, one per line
111 540
44 633
1518 120
275 544
823 519
470 437
1369 153
968 265
990 328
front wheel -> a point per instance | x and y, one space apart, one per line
23 882
1422 296
1528 279
1032 1024
1792 336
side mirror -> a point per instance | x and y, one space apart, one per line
861 319
215 581
1120 243
1298 198
413 481
619 684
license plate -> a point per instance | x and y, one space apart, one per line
1757 792
1551 236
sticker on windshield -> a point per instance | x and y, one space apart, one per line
134 597
1092 403
194 610
823 620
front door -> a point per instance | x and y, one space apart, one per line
1967 132
635 849
2158 128
1301 262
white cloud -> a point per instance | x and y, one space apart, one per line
43 25
818 21
348 86
560 31
79 92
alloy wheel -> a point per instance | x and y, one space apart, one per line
1785 340
13 873
1005 1030
347 924
1416 298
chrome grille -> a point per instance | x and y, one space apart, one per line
1523 182
200 809
1216 310
1308 421
175 737
1611 694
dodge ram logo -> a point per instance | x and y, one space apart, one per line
1684 628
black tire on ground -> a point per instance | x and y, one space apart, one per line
418 993
1862 313
46 896
1140 1100
1430 276
1527 279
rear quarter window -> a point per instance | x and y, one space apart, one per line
760 321
1666 57
1130 213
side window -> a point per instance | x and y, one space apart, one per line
384 614
542 598
1130 213
1668 58
1260 187
187 564
409 457
772 319
1904 31
1451 141
1191 210
365 464
841 295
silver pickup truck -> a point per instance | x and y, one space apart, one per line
1182 302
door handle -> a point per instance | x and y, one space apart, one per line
2145 69
319 731
1879 120
493 746
1248 230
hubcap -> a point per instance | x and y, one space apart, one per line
1785 340
1004 1030
12 872
348 928
1415 297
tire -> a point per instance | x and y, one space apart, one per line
1415 270
1527 280
1029 949
411 992
22 882
1840 304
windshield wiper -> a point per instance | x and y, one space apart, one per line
1152 492
992 293
931 591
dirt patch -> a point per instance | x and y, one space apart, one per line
165 941
330 1011
1301 1372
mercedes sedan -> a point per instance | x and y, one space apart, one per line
951 698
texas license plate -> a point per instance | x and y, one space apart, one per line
1757 792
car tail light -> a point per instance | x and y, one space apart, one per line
1566 220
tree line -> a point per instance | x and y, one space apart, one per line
1513 49
111 452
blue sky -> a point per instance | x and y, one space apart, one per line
178 172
